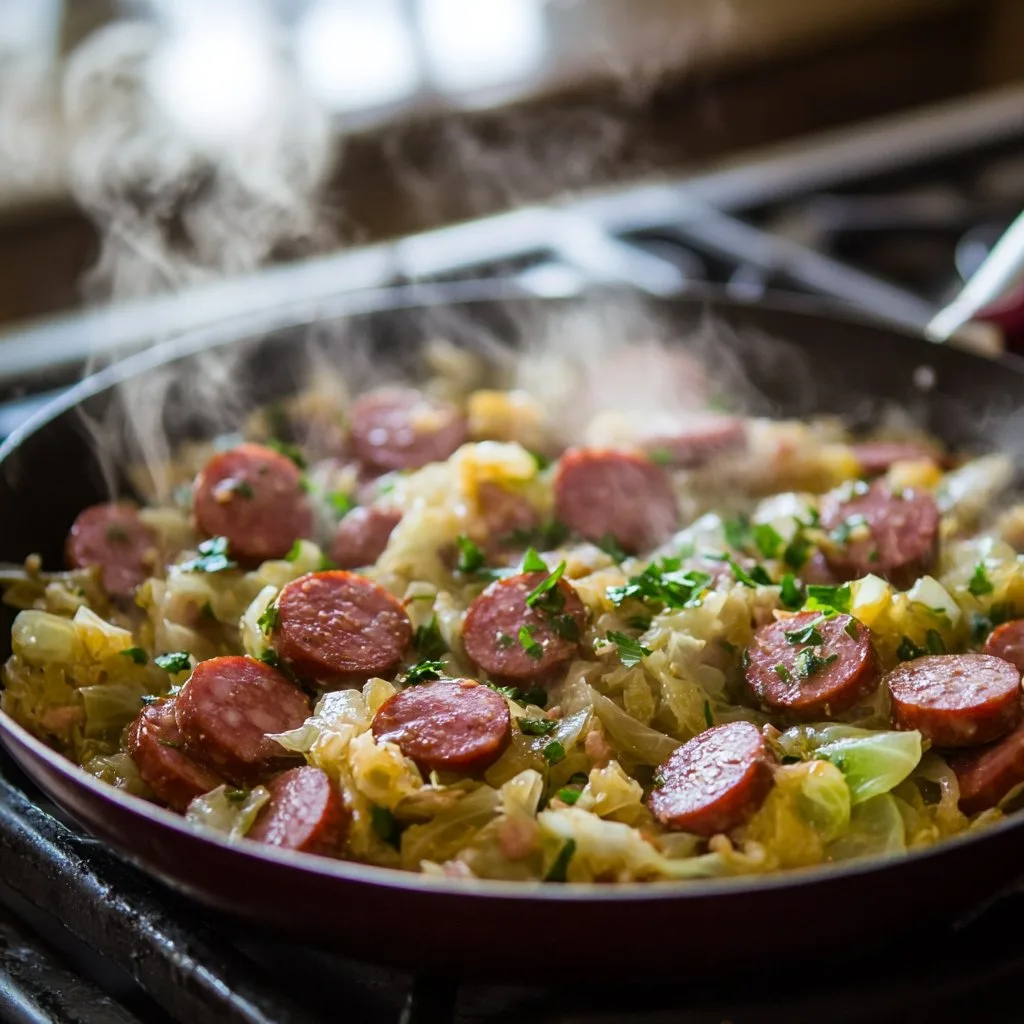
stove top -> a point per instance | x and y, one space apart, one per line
889 221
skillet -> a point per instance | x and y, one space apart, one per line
792 357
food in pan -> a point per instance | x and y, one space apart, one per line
669 646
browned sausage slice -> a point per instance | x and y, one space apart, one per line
113 537
715 782
401 428
902 533
601 493
1007 642
510 640
507 517
156 747
340 628
459 726
225 711
956 700
987 774
363 535
304 813
809 666
875 457
697 440
253 496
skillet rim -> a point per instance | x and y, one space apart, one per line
246 326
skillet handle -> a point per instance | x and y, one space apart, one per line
994 293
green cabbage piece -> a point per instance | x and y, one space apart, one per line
872 762
228 811
109 707
876 827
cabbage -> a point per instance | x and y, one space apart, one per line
338 712
443 837
254 640
118 770
522 793
876 827
611 793
634 740
381 772
41 638
278 571
109 707
228 811
528 751
872 762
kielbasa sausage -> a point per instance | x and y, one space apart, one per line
987 774
715 782
956 700
1007 642
363 535
457 726
339 628
157 749
809 666
253 496
113 537
225 710
304 813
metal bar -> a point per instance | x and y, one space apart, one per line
36 989
192 975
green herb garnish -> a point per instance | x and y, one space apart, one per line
792 593
537 726
808 663
850 629
428 641
908 650
116 534
533 649
269 620
137 654
535 695
709 718
663 584
828 598
289 451
558 872
797 552
783 673
505 641
532 562
471 558
213 557
841 534
767 539
610 546
568 795
243 489
757 576
980 583
341 503
806 634
641 622
630 651
544 595
934 642
737 533
554 752
424 671
385 825
174 662
294 552
270 657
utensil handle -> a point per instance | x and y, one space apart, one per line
995 289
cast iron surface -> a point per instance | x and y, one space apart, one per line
798 361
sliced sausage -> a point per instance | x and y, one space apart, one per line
876 457
157 749
401 428
715 782
225 711
340 628
696 440
1007 642
987 774
510 640
956 700
304 813
457 726
363 535
507 518
253 496
603 493
113 537
902 533
809 666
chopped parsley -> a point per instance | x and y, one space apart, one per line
980 583
783 673
565 626
269 620
841 534
767 539
709 718
270 657
558 872
213 557
532 562
808 663
826 598
934 642
116 534
545 596
641 622
554 752
505 641
174 662
569 795
908 650
661 456
471 558
547 536
137 654
294 552
341 502
385 825
535 695
808 634
243 489
792 593
428 640
610 546
757 576
423 672
850 629
797 552
737 533
540 459
533 649
630 651
236 796
537 726
289 451
663 584
982 625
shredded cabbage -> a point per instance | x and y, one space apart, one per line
228 811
